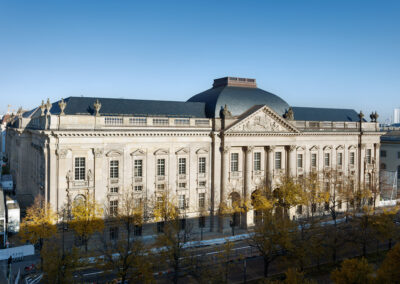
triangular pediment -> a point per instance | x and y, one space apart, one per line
138 152
182 151
262 120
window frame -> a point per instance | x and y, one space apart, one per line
202 165
234 162
81 169
299 160
138 168
257 161
114 169
161 167
278 160
182 165
327 159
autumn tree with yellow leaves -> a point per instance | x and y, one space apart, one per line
128 256
87 218
39 223
59 265
173 234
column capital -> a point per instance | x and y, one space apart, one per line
249 149
291 148
271 149
225 149
98 153
62 153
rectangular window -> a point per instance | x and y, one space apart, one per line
202 200
182 166
202 122
340 159
278 160
114 169
313 208
339 205
182 224
80 168
160 121
352 158
113 207
182 185
137 203
181 202
314 160
113 120
160 227
202 222
383 154
138 188
327 186
326 206
202 165
182 121
160 186
137 231
398 155
138 168
300 160
160 167
140 121
299 209
202 183
114 233
234 162
368 156
327 159
114 189
257 161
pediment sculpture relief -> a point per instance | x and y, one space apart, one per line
262 122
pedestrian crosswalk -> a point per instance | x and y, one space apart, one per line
34 278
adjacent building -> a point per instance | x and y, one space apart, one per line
220 145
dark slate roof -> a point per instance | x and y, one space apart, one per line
325 114
391 136
238 100
110 106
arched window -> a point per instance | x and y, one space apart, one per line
383 166
79 200
368 181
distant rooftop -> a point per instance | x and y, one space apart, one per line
235 82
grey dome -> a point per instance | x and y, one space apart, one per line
238 99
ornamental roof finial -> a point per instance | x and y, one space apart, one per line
42 108
48 106
62 106
97 107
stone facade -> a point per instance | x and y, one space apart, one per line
200 161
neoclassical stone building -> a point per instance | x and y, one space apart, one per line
221 144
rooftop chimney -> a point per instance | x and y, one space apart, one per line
235 82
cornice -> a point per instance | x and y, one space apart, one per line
127 134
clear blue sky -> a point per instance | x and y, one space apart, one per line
338 53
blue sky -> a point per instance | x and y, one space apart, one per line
338 53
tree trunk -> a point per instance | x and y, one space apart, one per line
364 249
266 266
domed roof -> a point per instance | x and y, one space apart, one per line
239 94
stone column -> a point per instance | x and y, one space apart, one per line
270 171
98 175
225 173
224 183
248 216
291 166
